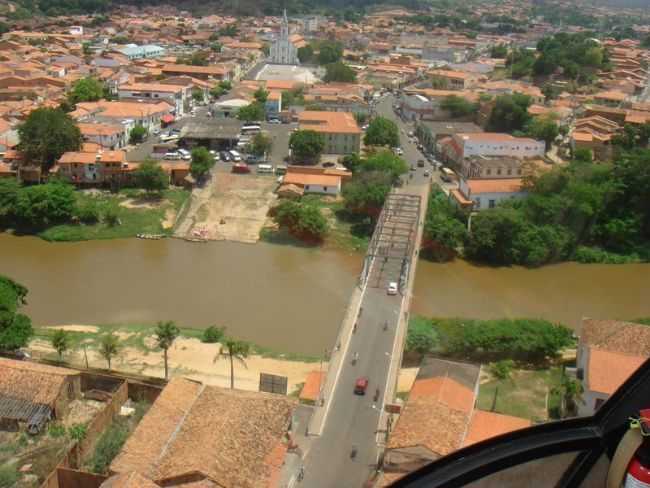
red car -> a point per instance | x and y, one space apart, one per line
240 168
361 385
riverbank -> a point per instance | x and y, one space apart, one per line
136 213
188 356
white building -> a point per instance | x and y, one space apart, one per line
177 95
497 144
487 193
282 50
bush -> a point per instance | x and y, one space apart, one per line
502 369
588 255
56 430
421 336
88 211
8 476
78 432
303 220
213 334
112 214
137 134
108 447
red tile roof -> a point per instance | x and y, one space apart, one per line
505 185
608 370
485 425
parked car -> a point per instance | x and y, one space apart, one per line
240 168
412 168
172 155
392 288
398 151
224 156
420 163
155 132
361 385
253 159
274 121
426 173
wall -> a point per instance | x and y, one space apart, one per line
70 478
482 200
504 148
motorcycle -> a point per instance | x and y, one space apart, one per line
355 358
376 398
353 453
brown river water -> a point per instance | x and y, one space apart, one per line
288 298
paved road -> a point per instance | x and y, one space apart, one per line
353 420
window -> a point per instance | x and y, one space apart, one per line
488 172
324 188
509 171
492 203
70 390
519 171
306 187
498 171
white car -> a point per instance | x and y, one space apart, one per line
398 151
173 155
274 121
392 288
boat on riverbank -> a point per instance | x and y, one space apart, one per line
154 237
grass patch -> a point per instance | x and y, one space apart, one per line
133 221
8 475
523 395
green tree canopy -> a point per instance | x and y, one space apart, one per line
305 54
303 220
443 228
261 144
382 132
46 134
137 135
261 94
15 328
86 90
510 113
109 347
44 205
385 162
306 145
340 72
201 163
150 176
543 129
458 106
60 342
253 112
166 334
366 193
329 52
234 350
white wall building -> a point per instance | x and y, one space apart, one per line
488 193
282 50
497 144
177 95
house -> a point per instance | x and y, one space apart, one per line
273 104
133 51
439 417
454 80
481 194
609 351
464 145
178 96
127 113
429 132
221 133
108 136
90 168
209 436
595 133
314 180
216 72
340 130
34 393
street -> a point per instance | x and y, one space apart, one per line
352 421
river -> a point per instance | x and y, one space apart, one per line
288 298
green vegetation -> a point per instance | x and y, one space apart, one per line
202 162
306 145
499 51
109 347
60 342
458 106
151 177
252 112
78 432
261 95
15 328
213 334
382 132
502 369
138 134
293 97
510 113
234 350
9 475
329 52
260 144
543 129
444 229
166 334
46 134
340 72
528 341
302 219
305 53
197 58
86 90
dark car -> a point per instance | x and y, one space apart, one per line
360 386
224 156
420 163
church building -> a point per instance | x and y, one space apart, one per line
283 51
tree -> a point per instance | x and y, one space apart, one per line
9 190
234 350
458 106
502 369
261 95
46 134
385 162
570 392
382 132
202 162
86 90
252 112
582 155
340 72
360 117
60 342
261 144
15 328
137 134
216 91
109 347
44 205
197 95
150 176
306 145
330 52
225 85
213 334
303 220
439 83
543 128
499 51
366 193
166 334
305 53
421 337
510 113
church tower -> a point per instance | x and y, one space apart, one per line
283 51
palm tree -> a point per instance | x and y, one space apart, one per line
570 392
166 334
109 346
60 342
234 349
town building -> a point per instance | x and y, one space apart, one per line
454 80
429 133
439 417
463 145
127 113
283 50
485 193
303 179
609 351
31 394
340 130
108 136
91 168
209 436
133 51
178 96
595 133
214 72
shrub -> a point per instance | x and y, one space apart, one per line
213 334
502 369
56 430
88 212
112 214
108 446
78 431
421 336
8 476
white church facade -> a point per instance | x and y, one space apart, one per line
282 50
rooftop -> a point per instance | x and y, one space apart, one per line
608 370
485 425
497 185
329 122
616 336
231 437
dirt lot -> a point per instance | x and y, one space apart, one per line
229 207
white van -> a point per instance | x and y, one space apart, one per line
447 175
235 155
265 169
